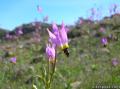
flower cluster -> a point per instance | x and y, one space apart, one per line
104 41
57 39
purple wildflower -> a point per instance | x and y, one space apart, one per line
114 62
55 28
52 37
13 60
102 30
63 35
59 38
39 9
104 41
50 52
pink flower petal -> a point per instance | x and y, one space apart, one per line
50 52
39 9
63 34
13 59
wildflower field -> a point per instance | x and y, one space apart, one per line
93 59
44 55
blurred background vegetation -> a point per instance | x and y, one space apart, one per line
89 63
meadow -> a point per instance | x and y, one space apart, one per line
89 65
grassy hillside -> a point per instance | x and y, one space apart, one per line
89 64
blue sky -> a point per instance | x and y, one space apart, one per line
17 12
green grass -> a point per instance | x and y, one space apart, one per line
89 64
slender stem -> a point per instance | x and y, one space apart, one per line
48 69
48 75
53 71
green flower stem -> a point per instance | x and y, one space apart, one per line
51 76
41 78
48 76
